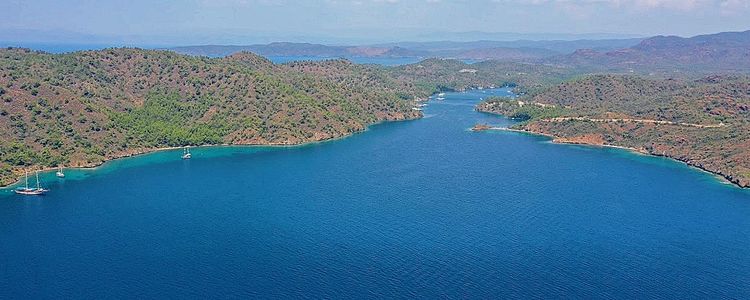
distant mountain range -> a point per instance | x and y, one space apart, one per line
481 50
300 49
559 46
727 51
21 37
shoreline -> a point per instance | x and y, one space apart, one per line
562 141
144 151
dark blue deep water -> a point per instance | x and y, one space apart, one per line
417 209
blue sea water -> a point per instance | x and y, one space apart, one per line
417 209
67 48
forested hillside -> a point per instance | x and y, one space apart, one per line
446 74
705 123
82 108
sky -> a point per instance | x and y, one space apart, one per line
172 22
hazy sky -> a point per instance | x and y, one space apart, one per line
190 21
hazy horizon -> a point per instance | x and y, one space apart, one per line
241 22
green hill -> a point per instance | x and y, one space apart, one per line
705 123
83 108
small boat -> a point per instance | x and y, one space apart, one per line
440 98
26 190
441 94
186 153
60 173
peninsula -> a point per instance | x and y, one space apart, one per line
83 108
704 123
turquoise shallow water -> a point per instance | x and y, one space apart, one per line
417 209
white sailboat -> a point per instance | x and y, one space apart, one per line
60 173
186 153
26 190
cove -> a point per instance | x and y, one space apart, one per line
417 209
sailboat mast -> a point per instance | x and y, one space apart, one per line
26 173
37 179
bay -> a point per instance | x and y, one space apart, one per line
416 209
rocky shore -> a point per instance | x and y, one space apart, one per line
594 140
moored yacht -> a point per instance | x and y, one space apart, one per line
26 190
60 173
186 153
